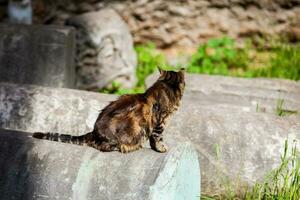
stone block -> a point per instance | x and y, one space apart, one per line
36 169
105 52
41 55
251 95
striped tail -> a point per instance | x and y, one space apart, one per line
80 140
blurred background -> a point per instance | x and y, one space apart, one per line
244 38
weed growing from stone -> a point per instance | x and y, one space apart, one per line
282 183
281 112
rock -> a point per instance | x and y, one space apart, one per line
179 10
219 3
85 7
104 50
41 55
21 109
37 169
236 146
292 34
256 18
251 95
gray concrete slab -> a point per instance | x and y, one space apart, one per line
33 169
36 54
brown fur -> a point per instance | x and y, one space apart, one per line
126 123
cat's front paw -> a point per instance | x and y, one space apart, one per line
161 147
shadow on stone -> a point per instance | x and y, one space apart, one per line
16 166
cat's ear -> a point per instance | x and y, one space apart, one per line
161 71
183 70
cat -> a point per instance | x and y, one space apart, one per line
126 123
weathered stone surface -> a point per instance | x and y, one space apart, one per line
253 95
235 147
36 169
31 108
104 50
233 144
41 55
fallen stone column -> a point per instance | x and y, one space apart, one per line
37 169
234 146
253 95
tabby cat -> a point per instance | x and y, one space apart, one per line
126 123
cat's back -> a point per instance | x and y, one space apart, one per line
122 116
124 105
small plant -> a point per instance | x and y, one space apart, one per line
283 112
279 111
259 108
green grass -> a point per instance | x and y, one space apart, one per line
284 64
221 56
283 183
218 56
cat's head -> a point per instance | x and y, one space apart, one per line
172 76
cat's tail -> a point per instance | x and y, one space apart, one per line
80 140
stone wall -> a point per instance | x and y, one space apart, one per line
185 22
